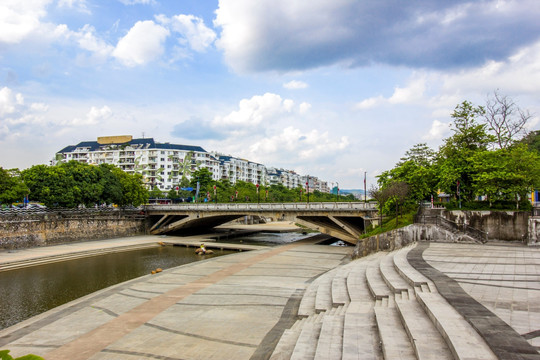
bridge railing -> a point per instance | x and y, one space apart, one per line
321 206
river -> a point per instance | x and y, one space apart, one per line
31 291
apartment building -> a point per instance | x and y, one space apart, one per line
161 164
235 169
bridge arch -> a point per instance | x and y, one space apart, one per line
345 221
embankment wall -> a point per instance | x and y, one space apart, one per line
30 230
396 239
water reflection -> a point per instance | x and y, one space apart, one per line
31 291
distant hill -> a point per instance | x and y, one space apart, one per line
352 191
357 193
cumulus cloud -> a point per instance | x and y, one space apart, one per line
142 44
79 5
192 29
252 112
295 85
16 115
93 117
303 145
273 35
87 40
438 131
18 19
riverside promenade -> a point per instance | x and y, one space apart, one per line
305 301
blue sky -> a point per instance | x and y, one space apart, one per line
327 88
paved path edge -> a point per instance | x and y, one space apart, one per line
503 340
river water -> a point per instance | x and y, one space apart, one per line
31 291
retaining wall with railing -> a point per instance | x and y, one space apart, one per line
24 229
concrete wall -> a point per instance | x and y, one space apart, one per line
24 231
396 239
534 231
500 225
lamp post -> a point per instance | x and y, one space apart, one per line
307 189
258 197
365 192
337 191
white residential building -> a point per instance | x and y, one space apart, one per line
161 164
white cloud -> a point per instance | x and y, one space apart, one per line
412 93
93 117
192 28
254 111
438 131
295 84
87 40
10 102
142 44
19 19
134 2
79 5
304 107
370 103
15 115
303 146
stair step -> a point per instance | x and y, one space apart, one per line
323 297
330 342
462 339
307 304
356 280
426 341
307 341
394 339
360 339
375 282
286 344
391 277
340 295
407 272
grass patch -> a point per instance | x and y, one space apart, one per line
389 224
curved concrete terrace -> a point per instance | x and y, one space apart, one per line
307 301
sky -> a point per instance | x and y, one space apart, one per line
335 89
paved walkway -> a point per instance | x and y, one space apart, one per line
505 280
240 306
227 308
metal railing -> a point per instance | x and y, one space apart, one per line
319 206
452 225
69 211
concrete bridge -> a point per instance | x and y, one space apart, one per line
345 221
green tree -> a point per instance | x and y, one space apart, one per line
133 190
51 185
507 173
12 187
417 170
110 184
87 187
454 159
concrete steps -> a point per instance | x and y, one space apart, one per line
378 307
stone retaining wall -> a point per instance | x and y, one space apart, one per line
396 239
24 231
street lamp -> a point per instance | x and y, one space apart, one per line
307 189
337 191
258 196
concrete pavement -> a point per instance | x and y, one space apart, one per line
302 300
